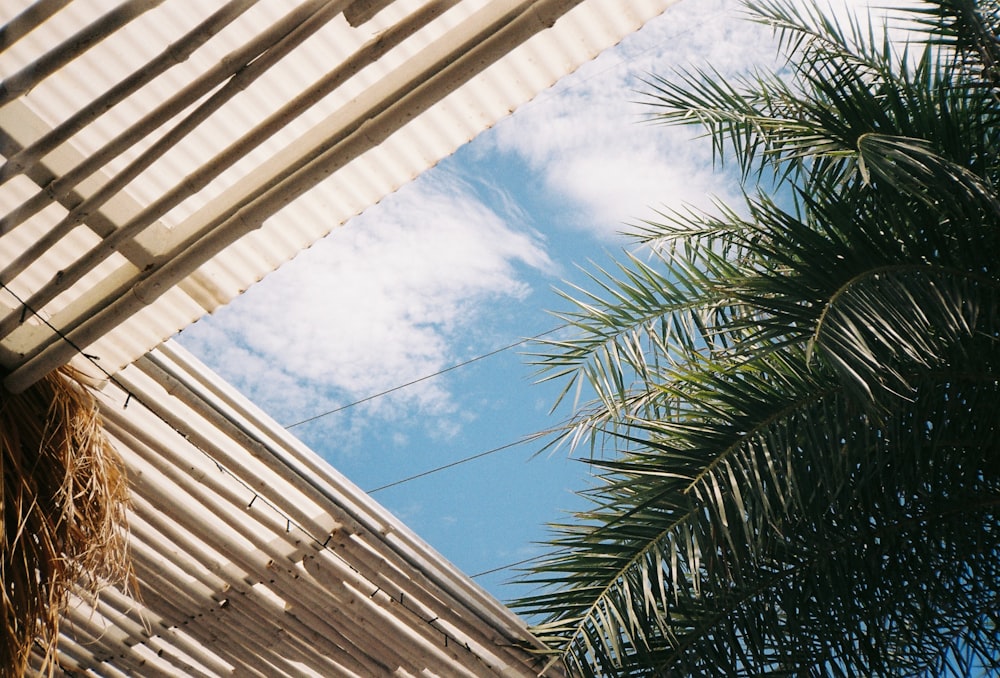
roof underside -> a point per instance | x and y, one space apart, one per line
158 158
255 558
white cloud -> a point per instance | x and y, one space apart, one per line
591 139
384 300
374 305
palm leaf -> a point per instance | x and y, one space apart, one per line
797 403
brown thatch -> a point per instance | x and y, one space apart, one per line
63 496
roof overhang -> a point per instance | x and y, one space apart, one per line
255 558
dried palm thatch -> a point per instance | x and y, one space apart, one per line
63 497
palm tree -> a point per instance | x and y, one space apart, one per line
797 403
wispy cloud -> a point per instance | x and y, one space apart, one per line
375 304
591 138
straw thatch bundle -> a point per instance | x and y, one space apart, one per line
63 496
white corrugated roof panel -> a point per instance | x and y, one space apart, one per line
224 165
254 557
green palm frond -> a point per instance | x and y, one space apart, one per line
710 530
797 403
969 28
631 331
848 92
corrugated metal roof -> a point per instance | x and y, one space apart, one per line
240 136
160 156
255 558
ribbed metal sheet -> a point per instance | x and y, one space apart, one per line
410 85
254 558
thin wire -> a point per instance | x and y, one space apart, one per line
59 333
226 471
423 378
273 507
473 457
507 566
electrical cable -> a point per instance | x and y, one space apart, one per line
93 360
423 378
447 636
454 463
506 567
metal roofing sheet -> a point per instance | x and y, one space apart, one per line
196 147
254 557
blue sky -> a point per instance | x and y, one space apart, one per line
458 263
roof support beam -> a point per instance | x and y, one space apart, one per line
29 76
176 53
28 20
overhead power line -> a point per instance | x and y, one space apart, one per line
508 566
424 378
455 463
